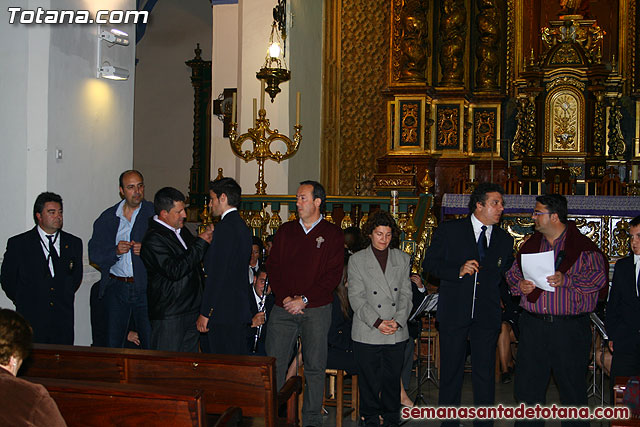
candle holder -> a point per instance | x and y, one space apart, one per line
262 137
205 216
469 186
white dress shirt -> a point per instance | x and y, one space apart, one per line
477 229
175 230
44 243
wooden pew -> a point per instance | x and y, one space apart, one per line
619 387
93 403
247 382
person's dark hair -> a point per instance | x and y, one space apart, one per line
635 222
343 296
43 198
227 186
353 239
261 269
255 240
555 203
377 219
479 194
15 336
318 193
121 178
269 238
165 198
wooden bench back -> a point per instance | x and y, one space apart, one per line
247 382
92 403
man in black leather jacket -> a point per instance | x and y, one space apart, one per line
172 257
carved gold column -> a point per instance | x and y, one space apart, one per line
412 50
331 100
524 141
615 140
487 45
453 33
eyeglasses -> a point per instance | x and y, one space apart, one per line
536 213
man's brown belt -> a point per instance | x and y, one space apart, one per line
122 279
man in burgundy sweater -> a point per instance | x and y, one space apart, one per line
305 265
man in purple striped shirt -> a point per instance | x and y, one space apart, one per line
554 329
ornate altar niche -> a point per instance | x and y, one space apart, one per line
574 81
567 97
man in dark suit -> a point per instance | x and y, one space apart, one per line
172 257
115 248
261 302
224 312
623 322
470 257
41 272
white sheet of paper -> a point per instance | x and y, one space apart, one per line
537 267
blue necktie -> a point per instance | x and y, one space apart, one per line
482 243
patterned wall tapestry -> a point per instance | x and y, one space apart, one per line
363 110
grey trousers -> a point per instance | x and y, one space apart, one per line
313 328
175 334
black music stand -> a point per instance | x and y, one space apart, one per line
428 305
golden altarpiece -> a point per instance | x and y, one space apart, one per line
517 90
537 95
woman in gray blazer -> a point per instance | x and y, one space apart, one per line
380 295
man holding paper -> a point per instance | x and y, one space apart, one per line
470 256
554 328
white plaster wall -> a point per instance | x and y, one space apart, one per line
54 101
305 36
254 22
163 130
224 65
15 47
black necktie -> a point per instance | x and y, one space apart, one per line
482 243
53 255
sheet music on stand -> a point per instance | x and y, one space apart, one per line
429 303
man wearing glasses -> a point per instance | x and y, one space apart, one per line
554 329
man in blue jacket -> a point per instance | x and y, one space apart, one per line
115 248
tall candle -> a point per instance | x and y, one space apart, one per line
233 108
255 111
393 208
262 94
472 172
297 108
634 172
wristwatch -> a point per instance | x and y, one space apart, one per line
305 300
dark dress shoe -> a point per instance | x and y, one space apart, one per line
505 378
